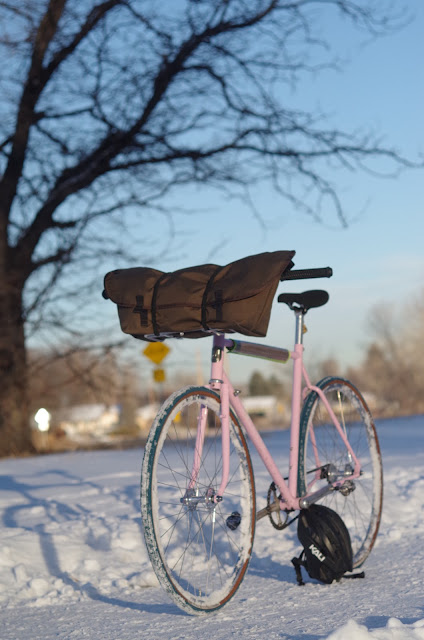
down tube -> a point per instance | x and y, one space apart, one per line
291 501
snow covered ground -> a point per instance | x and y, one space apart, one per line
73 563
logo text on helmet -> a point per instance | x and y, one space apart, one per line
316 552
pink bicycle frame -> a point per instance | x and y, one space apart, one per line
229 399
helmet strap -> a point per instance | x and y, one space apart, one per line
298 563
353 576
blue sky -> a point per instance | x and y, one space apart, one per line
379 257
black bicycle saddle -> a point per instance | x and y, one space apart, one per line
306 300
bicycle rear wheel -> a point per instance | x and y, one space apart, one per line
323 458
200 549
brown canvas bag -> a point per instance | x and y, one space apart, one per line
194 301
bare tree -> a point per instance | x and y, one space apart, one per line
392 367
78 377
109 106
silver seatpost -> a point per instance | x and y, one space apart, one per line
299 326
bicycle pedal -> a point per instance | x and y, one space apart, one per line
233 521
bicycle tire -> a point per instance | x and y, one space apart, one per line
361 508
199 560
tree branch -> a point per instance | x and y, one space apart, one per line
31 93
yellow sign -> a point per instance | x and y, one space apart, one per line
159 375
156 351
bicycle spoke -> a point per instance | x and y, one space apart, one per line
359 504
200 560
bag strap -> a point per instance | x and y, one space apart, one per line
156 330
139 308
218 297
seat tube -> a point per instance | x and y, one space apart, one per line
297 357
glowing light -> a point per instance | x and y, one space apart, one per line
42 418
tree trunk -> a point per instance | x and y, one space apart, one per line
15 429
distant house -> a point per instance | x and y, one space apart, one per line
87 419
144 416
265 410
378 406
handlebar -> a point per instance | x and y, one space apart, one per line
305 274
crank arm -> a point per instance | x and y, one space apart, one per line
275 506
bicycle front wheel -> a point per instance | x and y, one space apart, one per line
199 547
324 459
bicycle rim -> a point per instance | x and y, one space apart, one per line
199 549
320 445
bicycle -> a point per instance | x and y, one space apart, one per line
198 501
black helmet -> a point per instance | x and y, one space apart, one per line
327 550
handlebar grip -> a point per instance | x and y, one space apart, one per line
305 274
